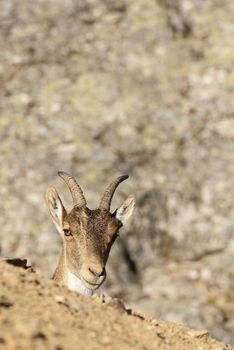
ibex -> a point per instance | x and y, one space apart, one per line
87 235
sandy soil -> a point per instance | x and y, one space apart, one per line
35 313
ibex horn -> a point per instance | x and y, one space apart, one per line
76 191
105 202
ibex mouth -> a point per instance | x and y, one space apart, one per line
92 285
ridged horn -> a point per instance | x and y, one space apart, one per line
76 191
105 201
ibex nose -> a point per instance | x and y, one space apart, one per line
97 271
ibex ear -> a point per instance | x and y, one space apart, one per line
125 210
56 208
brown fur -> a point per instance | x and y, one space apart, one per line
87 239
92 234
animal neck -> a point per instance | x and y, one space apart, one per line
63 275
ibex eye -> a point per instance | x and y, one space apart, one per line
67 232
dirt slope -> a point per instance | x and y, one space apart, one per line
35 313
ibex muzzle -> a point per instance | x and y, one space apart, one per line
87 234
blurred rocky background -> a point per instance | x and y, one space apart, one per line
145 87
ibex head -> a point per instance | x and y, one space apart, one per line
87 234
